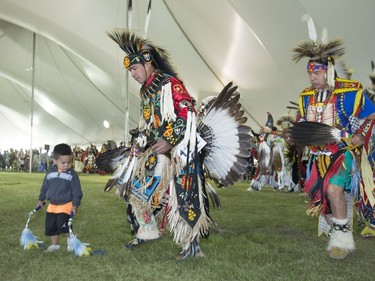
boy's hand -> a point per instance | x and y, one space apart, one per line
74 210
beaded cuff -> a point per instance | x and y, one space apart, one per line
364 128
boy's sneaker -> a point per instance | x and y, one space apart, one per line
53 248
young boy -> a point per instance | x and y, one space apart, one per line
62 187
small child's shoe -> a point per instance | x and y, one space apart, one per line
53 248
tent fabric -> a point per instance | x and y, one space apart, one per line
78 80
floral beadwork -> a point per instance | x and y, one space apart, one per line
156 123
146 112
169 131
151 162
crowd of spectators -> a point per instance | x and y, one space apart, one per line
14 160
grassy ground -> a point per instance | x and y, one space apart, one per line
258 236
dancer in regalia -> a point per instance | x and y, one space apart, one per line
162 176
338 115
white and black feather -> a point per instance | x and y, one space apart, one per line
313 133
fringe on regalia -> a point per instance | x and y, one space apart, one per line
323 168
187 214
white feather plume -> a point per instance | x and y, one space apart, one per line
130 14
324 36
311 27
148 16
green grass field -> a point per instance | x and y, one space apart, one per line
259 235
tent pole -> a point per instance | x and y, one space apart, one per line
32 105
128 26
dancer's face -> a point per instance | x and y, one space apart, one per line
318 79
141 72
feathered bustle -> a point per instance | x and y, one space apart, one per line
228 141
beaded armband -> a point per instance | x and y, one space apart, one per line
363 129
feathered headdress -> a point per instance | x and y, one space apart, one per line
140 50
321 55
285 121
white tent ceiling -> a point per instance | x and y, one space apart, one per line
78 80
